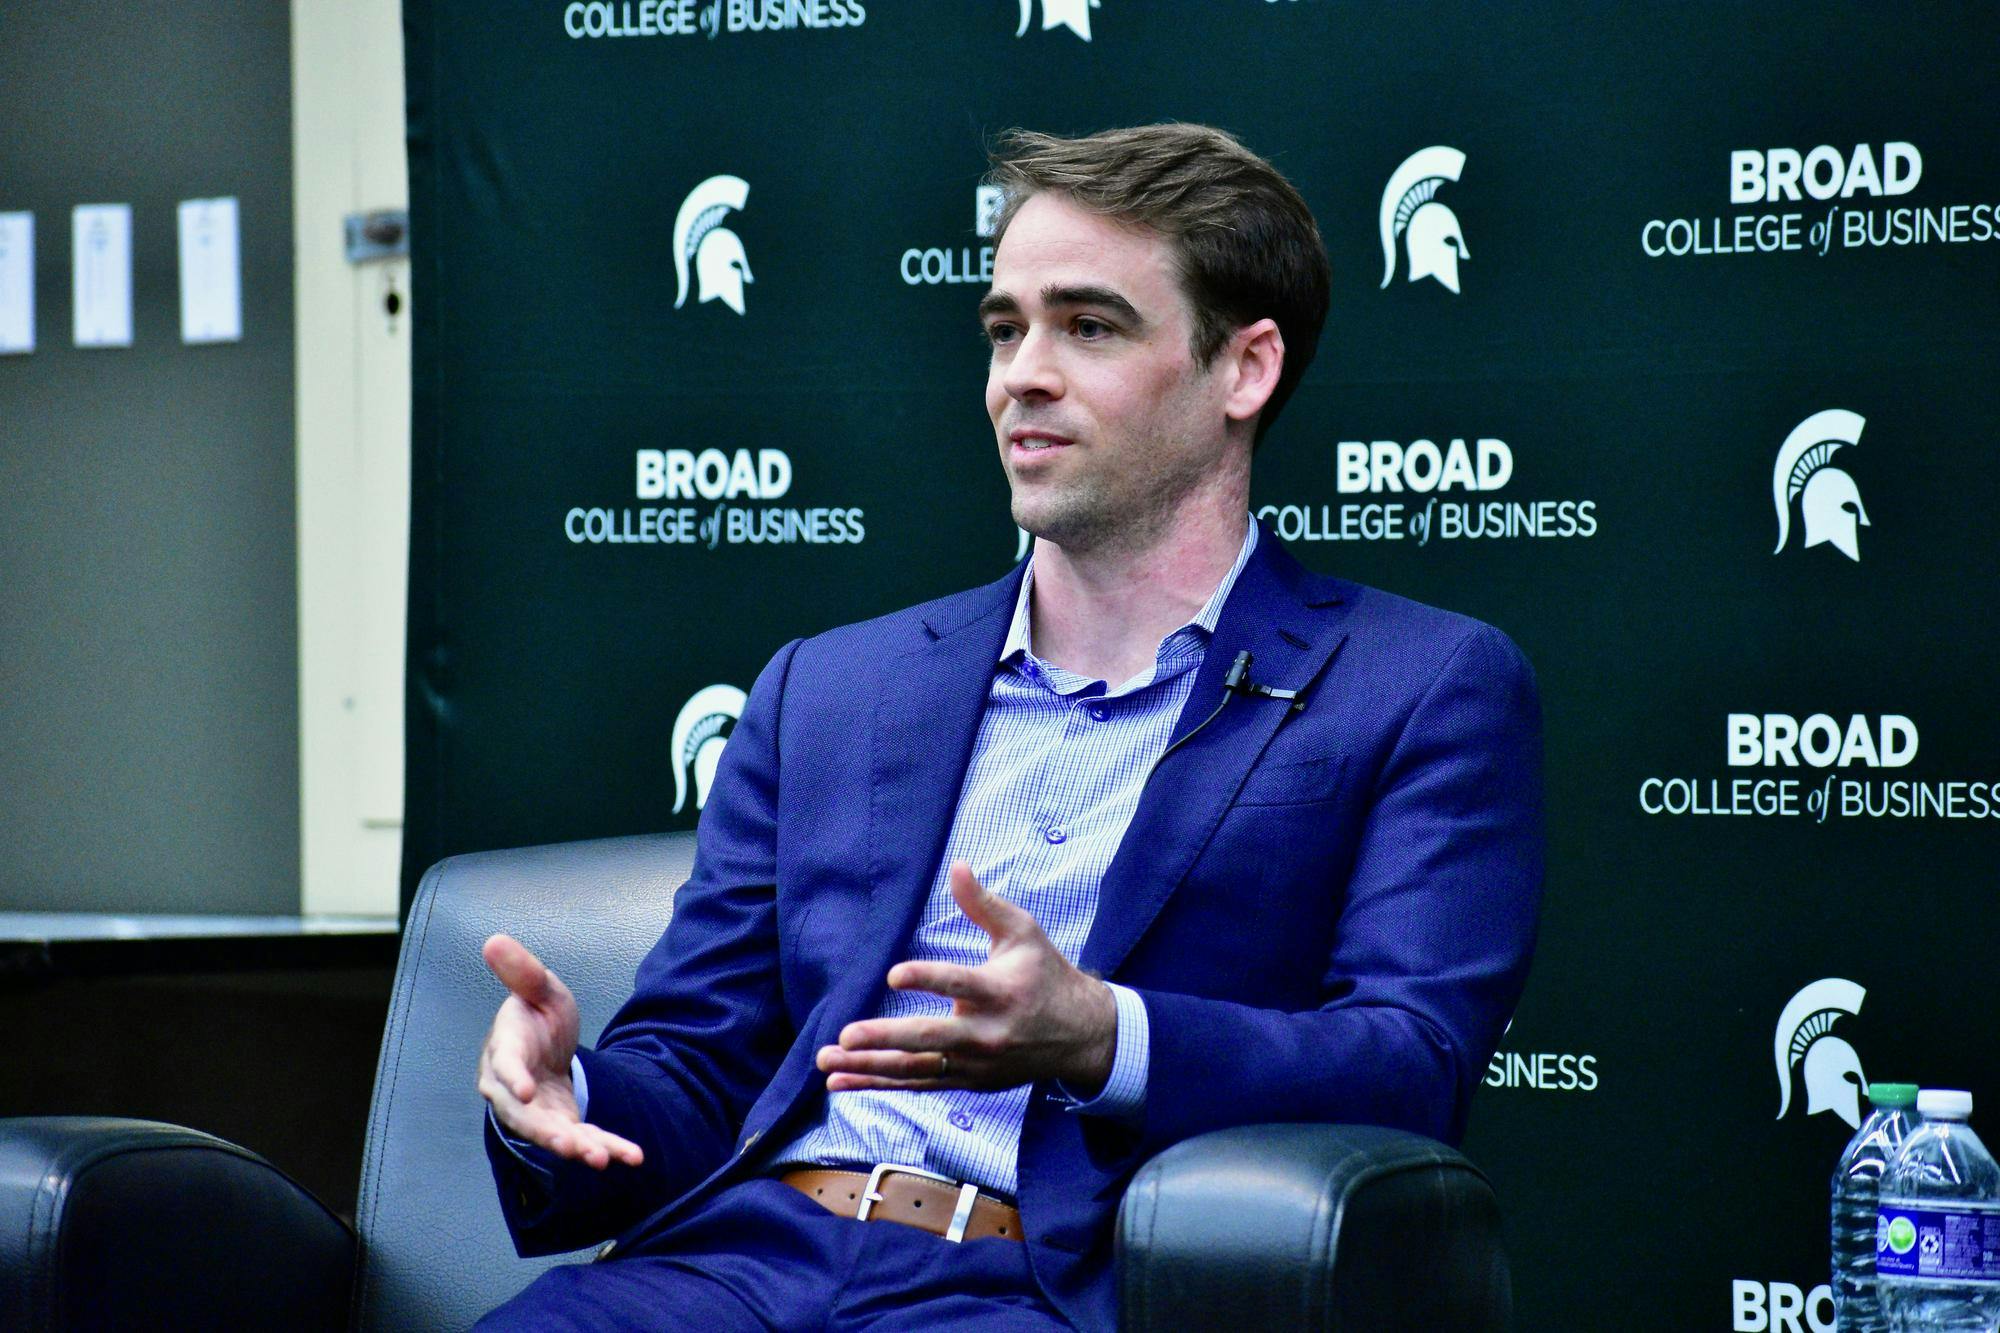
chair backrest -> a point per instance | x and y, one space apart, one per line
434 1249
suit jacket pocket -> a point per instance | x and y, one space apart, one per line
1293 782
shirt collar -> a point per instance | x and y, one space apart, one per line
1018 634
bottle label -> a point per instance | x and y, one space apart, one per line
1959 1243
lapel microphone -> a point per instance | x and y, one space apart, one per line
1236 682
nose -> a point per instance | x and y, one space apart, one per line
1031 373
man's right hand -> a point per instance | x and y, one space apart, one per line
524 1068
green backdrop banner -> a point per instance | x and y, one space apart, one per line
1679 369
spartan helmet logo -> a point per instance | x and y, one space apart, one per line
1833 1071
719 262
1429 228
698 739
1832 504
1071 14
988 202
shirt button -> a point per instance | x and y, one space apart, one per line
1097 714
961 1119
1056 835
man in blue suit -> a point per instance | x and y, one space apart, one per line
999 896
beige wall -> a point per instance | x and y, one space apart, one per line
353 366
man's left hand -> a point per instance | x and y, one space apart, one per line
1025 1014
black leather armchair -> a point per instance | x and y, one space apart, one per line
108 1223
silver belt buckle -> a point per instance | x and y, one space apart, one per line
967 1195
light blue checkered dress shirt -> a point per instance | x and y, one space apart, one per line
1054 781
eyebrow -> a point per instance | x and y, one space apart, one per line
1104 298
998 303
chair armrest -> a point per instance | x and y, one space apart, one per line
1346 1227
109 1223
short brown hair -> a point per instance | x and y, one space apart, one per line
1245 243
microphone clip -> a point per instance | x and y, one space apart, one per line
1238 682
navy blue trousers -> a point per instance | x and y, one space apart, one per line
763 1256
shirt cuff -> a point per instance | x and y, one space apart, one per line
532 1155
1125 1090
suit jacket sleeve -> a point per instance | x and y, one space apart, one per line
1432 944
681 1062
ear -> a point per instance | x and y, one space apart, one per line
1253 359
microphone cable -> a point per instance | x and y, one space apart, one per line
1236 682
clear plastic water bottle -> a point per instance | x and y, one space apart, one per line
1937 1237
1856 1188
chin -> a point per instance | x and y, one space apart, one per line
1073 525
1036 508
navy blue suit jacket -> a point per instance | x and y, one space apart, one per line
1328 912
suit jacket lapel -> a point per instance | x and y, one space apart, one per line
1281 614
926 719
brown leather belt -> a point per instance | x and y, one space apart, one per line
910 1195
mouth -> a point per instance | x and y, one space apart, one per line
1038 441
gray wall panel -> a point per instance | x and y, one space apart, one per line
148 608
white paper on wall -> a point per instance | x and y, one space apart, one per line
211 276
17 283
101 274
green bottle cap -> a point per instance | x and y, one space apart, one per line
1893 1095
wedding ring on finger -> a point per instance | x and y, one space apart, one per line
944 1064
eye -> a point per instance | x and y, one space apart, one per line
1001 334
1091 329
